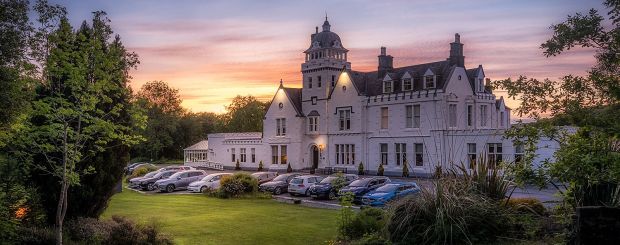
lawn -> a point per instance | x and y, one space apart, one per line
198 219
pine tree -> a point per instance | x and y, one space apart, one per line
405 169
289 169
380 170
260 166
237 166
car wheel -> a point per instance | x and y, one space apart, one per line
202 189
332 195
170 188
277 191
307 193
150 187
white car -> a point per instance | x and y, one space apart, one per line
211 181
299 185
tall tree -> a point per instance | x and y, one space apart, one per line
587 160
244 114
162 105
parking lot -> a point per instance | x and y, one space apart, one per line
547 196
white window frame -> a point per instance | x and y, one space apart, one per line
418 149
283 154
313 124
274 154
471 154
434 78
242 155
233 155
383 155
484 115
495 153
385 117
407 84
388 87
344 119
470 115
452 115
253 152
400 150
280 126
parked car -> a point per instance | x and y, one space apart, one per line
179 180
362 186
299 185
211 181
134 166
134 183
324 189
177 168
263 177
389 192
148 183
279 184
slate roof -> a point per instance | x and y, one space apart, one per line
371 83
294 94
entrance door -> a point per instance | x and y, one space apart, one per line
315 157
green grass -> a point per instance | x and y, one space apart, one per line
198 219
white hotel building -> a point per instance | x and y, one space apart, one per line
436 113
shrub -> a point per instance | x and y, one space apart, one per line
260 166
237 166
236 185
338 183
35 236
371 239
346 215
405 169
526 205
289 169
141 171
367 221
447 215
360 169
483 178
380 170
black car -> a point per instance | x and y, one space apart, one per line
129 170
148 183
362 186
279 184
324 189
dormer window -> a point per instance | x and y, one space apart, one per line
429 81
407 84
388 87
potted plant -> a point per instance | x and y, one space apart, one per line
380 170
260 166
405 169
360 169
289 169
237 166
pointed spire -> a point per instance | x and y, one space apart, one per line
325 15
281 82
326 24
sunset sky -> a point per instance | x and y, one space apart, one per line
212 51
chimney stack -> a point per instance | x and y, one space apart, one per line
385 62
456 52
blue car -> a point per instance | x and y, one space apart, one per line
362 186
388 192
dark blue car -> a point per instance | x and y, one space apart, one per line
389 192
324 189
360 187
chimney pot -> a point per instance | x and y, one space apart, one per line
383 51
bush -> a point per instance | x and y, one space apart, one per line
371 239
141 171
367 221
236 185
380 170
483 178
526 205
447 215
360 169
35 236
260 166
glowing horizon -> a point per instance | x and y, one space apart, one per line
213 51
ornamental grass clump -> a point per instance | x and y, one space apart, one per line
485 178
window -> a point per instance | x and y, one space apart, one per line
313 98
495 154
313 124
283 154
519 152
387 87
345 154
419 154
452 115
242 154
483 115
407 84
480 85
233 156
345 119
280 126
471 154
253 151
501 118
401 153
333 80
408 116
319 81
470 115
384 118
384 153
429 81
274 154
413 116
310 82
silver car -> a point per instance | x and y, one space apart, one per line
300 185
211 181
180 180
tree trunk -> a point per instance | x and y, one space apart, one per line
62 198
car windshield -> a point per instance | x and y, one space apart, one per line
360 183
297 181
176 175
159 174
208 177
328 180
151 174
387 188
281 178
